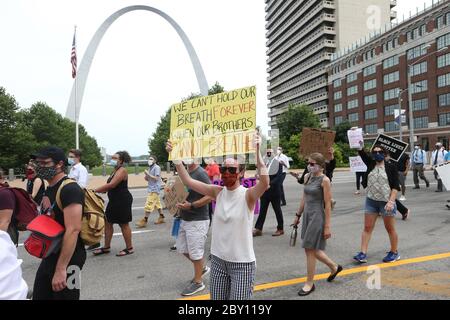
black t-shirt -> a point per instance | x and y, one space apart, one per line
401 164
70 194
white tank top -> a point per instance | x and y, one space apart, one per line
232 226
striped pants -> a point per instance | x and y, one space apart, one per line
231 280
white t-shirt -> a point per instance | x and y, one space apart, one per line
80 174
12 285
232 227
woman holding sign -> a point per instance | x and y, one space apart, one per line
233 263
382 185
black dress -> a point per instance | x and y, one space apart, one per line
118 209
40 194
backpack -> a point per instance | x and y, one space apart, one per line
93 223
25 210
45 238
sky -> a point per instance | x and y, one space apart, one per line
141 66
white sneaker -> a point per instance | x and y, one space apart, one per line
206 271
402 198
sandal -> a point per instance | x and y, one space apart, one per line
125 252
102 250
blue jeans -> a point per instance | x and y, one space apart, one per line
377 207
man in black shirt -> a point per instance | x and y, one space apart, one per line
58 276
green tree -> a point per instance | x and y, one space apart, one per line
157 142
295 119
341 131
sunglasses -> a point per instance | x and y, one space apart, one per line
231 170
311 164
377 152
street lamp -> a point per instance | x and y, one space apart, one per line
411 120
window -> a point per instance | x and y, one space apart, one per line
417 52
421 122
444 80
415 33
370 99
409 36
369 70
421 104
352 77
389 110
443 41
370 114
423 29
440 22
337 95
390 62
391 77
391 94
371 128
443 61
390 126
420 86
352 104
444 119
337 120
353 117
447 18
352 90
444 100
338 107
337 83
419 68
371 84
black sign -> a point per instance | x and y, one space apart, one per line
393 146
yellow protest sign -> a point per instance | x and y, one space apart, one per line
212 126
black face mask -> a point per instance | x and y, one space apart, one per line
46 173
269 154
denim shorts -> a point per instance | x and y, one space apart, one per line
377 207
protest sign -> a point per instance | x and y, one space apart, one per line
212 126
443 171
393 146
247 183
316 140
355 138
174 192
357 165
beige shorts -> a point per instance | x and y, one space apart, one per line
153 202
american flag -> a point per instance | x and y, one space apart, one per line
73 57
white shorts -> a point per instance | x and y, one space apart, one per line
192 238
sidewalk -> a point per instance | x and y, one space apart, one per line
138 181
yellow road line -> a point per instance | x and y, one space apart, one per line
346 272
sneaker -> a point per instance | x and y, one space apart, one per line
357 192
417 187
391 257
278 233
257 233
361 257
141 223
193 288
160 220
428 184
206 271
402 198
173 248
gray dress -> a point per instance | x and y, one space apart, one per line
313 215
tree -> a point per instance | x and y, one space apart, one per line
157 142
341 131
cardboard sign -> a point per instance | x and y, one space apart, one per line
357 165
174 192
355 138
213 126
443 171
316 140
247 183
395 147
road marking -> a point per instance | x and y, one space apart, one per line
290 282
117 234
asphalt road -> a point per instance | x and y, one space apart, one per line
153 272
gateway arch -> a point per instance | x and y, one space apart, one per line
77 93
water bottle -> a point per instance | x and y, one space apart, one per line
293 239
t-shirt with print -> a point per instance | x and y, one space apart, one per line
70 194
154 185
201 213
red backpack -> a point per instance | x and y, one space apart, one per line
26 209
45 238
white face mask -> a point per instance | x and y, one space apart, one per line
313 169
150 162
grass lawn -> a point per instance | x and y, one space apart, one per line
97 171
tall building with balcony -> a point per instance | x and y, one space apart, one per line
369 84
302 36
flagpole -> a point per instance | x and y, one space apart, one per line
77 138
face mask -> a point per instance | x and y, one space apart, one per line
113 163
278 152
71 161
269 154
150 162
313 169
188 161
416 147
46 173
229 180
378 157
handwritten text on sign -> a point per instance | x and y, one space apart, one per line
316 140
215 125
